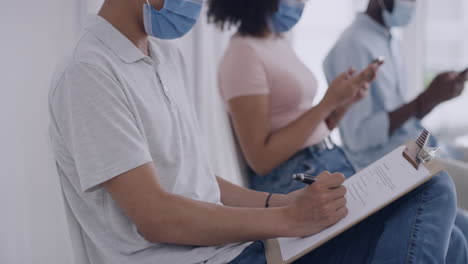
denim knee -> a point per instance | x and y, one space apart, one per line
442 188
457 251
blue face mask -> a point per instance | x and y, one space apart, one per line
288 14
403 12
174 20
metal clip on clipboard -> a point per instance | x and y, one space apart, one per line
418 153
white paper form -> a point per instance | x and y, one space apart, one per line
368 191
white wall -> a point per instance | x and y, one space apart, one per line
446 48
316 34
203 48
34 35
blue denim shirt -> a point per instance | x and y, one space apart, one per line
365 128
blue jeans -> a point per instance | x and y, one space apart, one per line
255 253
417 228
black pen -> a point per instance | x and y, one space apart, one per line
304 178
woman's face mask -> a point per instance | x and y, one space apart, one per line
174 20
402 14
288 14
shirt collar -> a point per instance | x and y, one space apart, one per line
363 20
114 40
154 53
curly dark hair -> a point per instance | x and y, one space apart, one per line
250 16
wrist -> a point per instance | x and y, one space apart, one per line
418 108
423 106
326 108
279 200
268 201
287 221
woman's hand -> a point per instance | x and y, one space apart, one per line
349 88
362 91
335 117
316 207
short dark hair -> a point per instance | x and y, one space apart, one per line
250 16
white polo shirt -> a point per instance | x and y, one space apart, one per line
114 109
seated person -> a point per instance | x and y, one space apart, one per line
131 160
132 164
269 93
385 120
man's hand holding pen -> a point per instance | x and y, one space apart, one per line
317 206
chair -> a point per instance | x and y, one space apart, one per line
465 152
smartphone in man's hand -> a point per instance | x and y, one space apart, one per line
464 75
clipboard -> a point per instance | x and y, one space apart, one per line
416 153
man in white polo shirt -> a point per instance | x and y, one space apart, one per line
134 171
132 167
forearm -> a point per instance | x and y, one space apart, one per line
236 196
335 117
281 145
424 105
402 115
417 108
187 222
163 217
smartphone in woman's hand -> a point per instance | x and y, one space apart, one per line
464 75
372 74
380 60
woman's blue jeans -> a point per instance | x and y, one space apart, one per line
418 228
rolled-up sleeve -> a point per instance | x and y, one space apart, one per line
366 124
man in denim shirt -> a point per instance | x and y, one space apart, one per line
385 120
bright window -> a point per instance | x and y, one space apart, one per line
318 30
316 33
444 45
446 48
